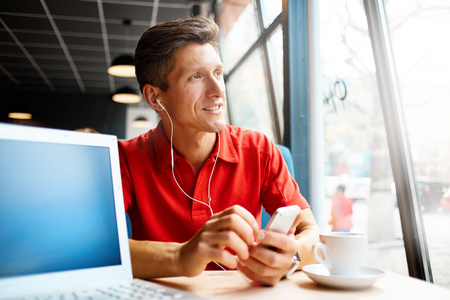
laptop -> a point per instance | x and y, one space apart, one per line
63 229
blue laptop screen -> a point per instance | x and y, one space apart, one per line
56 208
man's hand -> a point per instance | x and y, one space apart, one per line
234 228
268 266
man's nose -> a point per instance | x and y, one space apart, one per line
216 87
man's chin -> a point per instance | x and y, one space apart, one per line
219 126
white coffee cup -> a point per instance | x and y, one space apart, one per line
343 252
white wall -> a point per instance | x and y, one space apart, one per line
134 112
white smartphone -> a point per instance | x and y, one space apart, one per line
283 218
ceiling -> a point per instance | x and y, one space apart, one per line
66 46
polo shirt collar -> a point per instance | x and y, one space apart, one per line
228 150
161 145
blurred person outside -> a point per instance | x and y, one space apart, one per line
341 211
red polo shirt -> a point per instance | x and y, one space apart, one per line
250 172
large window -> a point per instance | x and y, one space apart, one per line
419 31
356 147
355 136
252 52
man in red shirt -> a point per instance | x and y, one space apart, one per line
194 187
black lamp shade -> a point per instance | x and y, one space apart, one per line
20 112
126 95
123 66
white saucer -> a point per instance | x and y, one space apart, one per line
320 274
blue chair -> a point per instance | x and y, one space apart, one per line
287 155
130 232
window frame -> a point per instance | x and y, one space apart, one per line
399 149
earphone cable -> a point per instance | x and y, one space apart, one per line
210 177
173 163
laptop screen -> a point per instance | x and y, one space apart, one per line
57 210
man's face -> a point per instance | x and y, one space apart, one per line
195 98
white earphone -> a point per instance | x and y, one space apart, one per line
160 104
172 163
173 173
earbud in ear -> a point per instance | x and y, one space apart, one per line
160 104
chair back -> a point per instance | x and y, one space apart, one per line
287 155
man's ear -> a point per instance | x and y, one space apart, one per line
150 94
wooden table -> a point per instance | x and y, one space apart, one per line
232 285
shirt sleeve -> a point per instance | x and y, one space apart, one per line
279 188
127 187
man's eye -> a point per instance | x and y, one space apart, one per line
195 76
218 73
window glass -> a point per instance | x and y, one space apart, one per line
249 98
241 37
419 31
356 151
270 10
275 50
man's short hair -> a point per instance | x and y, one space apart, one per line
156 47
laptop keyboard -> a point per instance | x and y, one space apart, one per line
131 290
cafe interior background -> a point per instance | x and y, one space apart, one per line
55 56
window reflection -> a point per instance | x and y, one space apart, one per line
250 107
275 50
239 32
270 9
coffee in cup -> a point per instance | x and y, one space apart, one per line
343 252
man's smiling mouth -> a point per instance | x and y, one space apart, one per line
212 108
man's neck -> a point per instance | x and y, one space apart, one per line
195 147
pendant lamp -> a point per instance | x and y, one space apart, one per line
141 122
20 115
122 66
126 95
20 112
